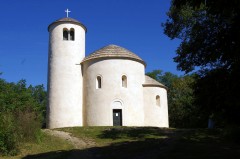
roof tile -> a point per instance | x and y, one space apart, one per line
68 20
152 82
113 51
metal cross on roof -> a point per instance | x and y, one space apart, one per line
67 11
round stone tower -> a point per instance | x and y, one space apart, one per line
66 51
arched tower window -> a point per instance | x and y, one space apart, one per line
124 81
158 100
98 82
65 34
72 34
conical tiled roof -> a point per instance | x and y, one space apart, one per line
68 20
150 82
113 51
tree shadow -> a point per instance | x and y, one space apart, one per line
143 142
149 148
134 132
183 144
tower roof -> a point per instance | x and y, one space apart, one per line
68 20
150 82
113 51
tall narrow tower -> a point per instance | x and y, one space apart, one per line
66 51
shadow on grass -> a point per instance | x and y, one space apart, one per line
135 132
182 144
149 148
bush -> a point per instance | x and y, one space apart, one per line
22 110
232 133
18 127
28 125
8 138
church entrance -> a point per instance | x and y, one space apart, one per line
117 117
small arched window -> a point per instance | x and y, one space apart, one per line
98 82
65 34
72 34
158 100
124 81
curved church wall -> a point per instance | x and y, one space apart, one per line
64 76
156 109
100 102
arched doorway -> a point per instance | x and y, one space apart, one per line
117 114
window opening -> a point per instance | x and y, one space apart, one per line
124 81
65 35
158 100
99 82
72 36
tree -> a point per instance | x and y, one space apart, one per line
39 94
166 78
210 44
183 111
21 110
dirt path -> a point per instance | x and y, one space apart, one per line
76 142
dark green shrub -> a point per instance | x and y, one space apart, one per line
16 128
232 133
22 111
28 125
8 138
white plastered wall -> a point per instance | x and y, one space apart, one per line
65 77
99 103
155 115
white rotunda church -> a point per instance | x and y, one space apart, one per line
107 88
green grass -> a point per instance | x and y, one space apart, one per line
128 142
108 135
203 143
48 144
136 142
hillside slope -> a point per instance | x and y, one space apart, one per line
129 142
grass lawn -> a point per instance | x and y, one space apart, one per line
109 135
48 144
136 143
130 142
202 144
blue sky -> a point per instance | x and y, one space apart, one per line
133 24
